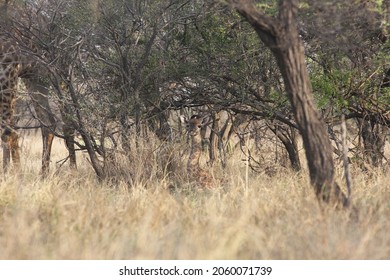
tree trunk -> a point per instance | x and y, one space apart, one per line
315 139
290 143
281 36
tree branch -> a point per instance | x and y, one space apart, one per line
267 27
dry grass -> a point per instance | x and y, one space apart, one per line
72 216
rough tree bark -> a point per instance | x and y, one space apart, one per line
280 34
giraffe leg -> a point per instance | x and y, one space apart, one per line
10 141
47 138
6 155
9 136
69 142
14 148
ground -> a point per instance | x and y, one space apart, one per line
70 215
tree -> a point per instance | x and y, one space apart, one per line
280 34
219 53
348 49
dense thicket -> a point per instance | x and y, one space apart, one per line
120 70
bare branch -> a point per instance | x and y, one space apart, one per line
266 26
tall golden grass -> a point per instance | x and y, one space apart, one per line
71 215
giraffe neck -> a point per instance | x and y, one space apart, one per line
9 72
196 150
14 64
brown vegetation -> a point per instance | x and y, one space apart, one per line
73 216
118 74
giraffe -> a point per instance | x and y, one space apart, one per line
10 69
14 64
195 172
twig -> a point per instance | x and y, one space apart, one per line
247 166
